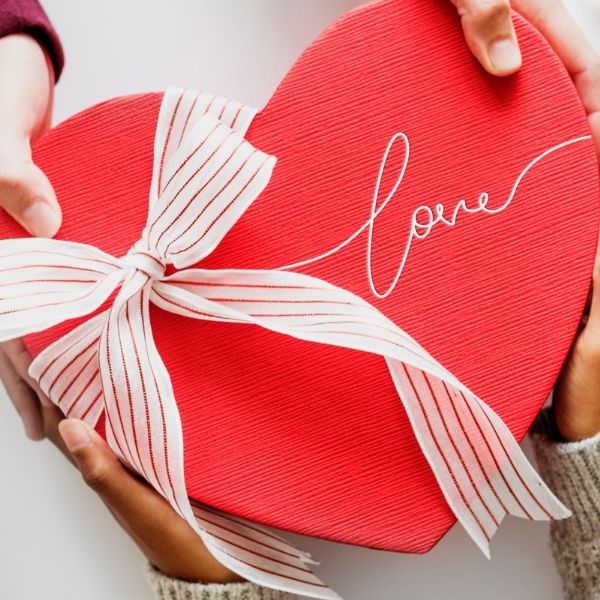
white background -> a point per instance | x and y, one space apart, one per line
57 541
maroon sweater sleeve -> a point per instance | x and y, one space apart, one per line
27 16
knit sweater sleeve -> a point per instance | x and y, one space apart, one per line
167 588
28 16
572 471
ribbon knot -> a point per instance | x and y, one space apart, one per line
144 261
205 177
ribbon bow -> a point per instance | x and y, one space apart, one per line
205 177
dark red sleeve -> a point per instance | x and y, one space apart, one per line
27 16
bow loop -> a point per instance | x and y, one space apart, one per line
44 282
215 175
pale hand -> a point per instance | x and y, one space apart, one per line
169 543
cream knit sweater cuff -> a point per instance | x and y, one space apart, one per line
167 588
572 471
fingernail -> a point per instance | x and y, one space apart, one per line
41 220
505 55
75 434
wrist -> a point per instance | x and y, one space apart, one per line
214 574
576 430
27 81
194 564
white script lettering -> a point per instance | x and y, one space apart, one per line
424 218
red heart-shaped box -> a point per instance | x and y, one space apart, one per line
312 438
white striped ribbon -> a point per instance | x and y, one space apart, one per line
205 177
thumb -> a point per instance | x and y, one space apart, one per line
98 465
490 34
27 195
168 542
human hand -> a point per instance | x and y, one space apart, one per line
490 35
169 543
576 401
38 415
577 393
27 84
167 540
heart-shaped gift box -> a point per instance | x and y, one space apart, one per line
312 438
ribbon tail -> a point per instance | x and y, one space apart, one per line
478 464
67 372
550 506
144 429
259 555
480 468
142 421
